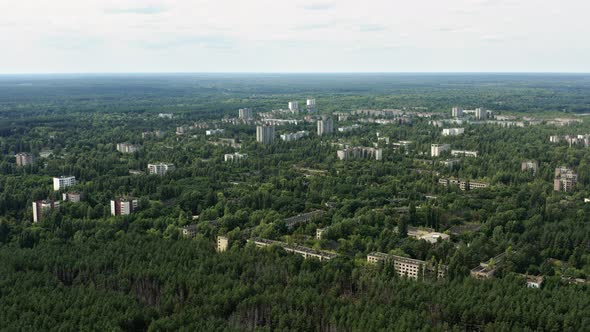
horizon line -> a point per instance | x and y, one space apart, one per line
287 72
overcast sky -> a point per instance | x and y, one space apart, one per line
82 36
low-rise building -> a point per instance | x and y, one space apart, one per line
296 249
160 168
234 157
211 132
464 153
62 182
188 231
349 128
303 218
24 159
531 166
40 208
123 206
408 267
486 270
294 136
463 185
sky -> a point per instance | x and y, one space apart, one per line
112 36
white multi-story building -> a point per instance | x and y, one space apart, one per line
214 132
160 168
265 134
565 179
63 182
325 127
127 147
123 206
41 207
234 157
310 105
71 196
294 106
453 131
457 112
222 243
358 152
294 136
464 153
245 114
353 127
437 149
481 114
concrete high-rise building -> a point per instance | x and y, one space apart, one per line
437 149
457 112
222 243
63 182
310 105
41 207
123 206
24 159
565 179
294 106
325 127
265 134
160 168
245 114
481 114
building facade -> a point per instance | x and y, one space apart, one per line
457 112
437 149
127 147
234 157
565 179
160 168
71 196
42 207
222 243
265 134
360 152
245 114
294 106
62 182
24 159
529 166
408 267
453 131
325 126
123 206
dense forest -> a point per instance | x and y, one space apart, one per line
82 268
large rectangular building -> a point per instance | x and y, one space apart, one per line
437 149
62 182
245 114
408 267
325 127
123 206
127 147
160 168
265 134
565 179
24 159
41 207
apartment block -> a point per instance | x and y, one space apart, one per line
464 153
310 105
212 132
565 179
160 168
325 127
457 112
42 207
453 131
123 206
294 136
265 134
245 114
529 166
24 159
71 196
296 249
360 152
408 267
294 106
222 243
463 185
437 149
234 157
62 182
302 218
127 147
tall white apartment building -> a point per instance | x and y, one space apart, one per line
437 149
265 134
160 168
481 114
310 105
245 114
294 106
62 182
325 127
457 112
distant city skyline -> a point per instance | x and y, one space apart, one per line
299 36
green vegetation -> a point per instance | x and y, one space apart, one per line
82 269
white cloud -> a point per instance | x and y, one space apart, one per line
295 35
